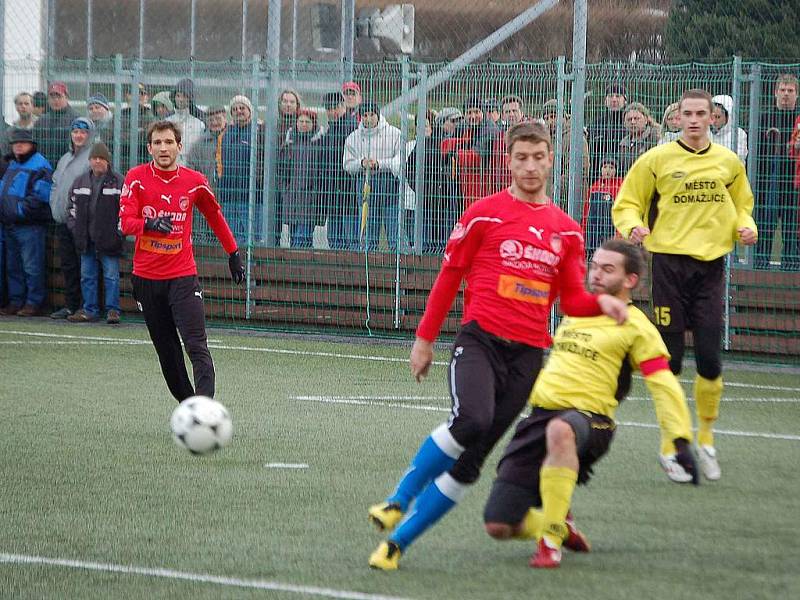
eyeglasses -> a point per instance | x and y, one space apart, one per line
350 93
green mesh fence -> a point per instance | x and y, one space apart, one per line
344 227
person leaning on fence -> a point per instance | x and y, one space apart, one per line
145 117
596 223
26 118
722 132
608 127
689 201
206 154
51 131
352 99
670 124
234 185
70 166
441 200
475 154
162 106
24 215
550 117
373 155
300 172
336 190
777 199
99 111
642 134
187 115
92 218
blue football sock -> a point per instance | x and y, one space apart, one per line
437 499
436 455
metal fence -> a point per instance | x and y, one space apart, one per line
411 208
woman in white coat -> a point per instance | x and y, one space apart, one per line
721 131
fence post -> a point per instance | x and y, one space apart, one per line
251 177
117 145
268 222
575 192
133 142
558 144
752 124
422 212
405 73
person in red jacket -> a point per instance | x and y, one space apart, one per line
596 222
156 206
517 252
473 150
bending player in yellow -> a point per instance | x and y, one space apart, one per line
572 424
689 201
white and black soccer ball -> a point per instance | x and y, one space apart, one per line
201 425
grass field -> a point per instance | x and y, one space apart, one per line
97 501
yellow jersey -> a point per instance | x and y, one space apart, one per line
590 366
693 201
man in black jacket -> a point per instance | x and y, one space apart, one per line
93 216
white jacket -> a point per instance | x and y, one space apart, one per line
724 135
381 143
192 130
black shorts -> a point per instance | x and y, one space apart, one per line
516 488
686 293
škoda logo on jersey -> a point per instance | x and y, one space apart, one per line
149 212
513 251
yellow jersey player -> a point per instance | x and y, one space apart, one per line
689 201
571 424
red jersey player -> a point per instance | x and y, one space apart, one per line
156 206
517 252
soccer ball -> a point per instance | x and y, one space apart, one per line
201 425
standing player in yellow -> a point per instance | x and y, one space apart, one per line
572 424
689 201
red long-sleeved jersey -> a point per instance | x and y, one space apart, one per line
150 192
516 257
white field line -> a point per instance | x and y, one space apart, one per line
276 586
764 400
68 343
279 465
388 359
428 408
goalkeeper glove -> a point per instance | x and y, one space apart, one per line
685 457
159 224
236 267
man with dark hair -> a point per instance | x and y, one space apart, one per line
336 187
512 111
156 207
51 131
571 424
517 252
608 128
689 201
774 181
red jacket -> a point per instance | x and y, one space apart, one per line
602 186
478 160
794 141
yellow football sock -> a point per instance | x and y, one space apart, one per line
667 445
707 395
556 485
531 526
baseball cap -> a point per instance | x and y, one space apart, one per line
448 113
351 85
58 87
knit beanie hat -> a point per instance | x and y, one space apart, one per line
100 150
98 99
82 123
242 99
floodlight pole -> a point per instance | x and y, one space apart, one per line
575 188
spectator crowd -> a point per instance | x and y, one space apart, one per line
342 166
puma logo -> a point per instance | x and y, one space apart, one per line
199 295
167 198
537 232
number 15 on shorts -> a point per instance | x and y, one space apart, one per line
662 316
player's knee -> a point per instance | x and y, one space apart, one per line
469 430
560 436
499 531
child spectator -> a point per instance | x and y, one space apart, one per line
596 222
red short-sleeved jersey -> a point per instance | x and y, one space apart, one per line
516 258
150 192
